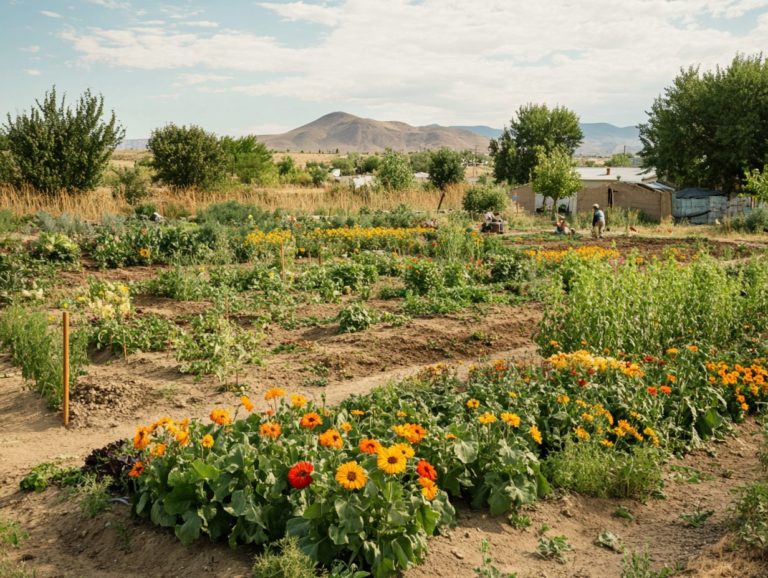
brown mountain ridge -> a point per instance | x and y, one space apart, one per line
350 133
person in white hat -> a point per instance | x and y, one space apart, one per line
598 222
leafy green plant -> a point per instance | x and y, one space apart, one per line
11 533
624 513
355 317
93 496
131 184
284 560
696 518
751 516
488 568
55 247
422 276
553 548
480 199
50 473
639 565
609 541
519 521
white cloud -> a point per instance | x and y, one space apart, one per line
50 14
201 24
439 61
32 72
298 11
111 4
34 49
193 79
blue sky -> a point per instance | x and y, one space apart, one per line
243 66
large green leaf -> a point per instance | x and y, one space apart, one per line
189 531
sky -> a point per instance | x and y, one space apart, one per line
238 67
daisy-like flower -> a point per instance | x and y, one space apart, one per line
391 461
351 476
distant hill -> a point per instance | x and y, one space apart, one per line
349 133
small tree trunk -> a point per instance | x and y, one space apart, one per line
440 204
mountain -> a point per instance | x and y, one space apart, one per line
600 138
349 133
133 144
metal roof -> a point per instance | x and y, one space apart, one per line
697 193
624 174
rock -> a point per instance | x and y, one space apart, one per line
458 554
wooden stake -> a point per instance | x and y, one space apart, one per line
282 261
65 357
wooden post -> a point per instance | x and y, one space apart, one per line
282 261
65 373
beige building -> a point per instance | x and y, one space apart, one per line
610 187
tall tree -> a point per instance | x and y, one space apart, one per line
446 168
249 160
395 172
555 176
708 128
535 126
57 148
187 157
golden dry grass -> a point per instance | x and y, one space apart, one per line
94 205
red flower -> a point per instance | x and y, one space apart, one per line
649 358
426 470
300 475
652 390
582 382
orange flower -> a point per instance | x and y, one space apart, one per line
651 390
158 450
247 403
221 417
671 378
207 441
665 389
310 420
331 439
270 429
298 401
369 446
182 437
473 404
426 470
357 413
136 470
429 488
142 438
274 393
346 427
535 434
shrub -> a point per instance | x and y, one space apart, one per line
422 276
284 560
186 157
394 172
55 247
507 268
751 517
131 184
482 199
355 317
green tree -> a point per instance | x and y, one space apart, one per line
420 161
54 147
555 176
187 157
249 160
620 160
446 168
536 126
370 164
395 173
756 184
708 128
345 164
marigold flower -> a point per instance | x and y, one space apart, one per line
402 414
220 417
182 437
357 413
651 390
404 449
426 470
247 403
473 404
693 348
554 343
310 420
298 401
391 461
351 476
450 436
511 419
429 488
158 450
136 470
300 475
331 439
581 433
607 443
270 429
369 446
665 389
671 378
563 399
672 351
744 407
207 441
487 418
142 438
346 427
535 434
274 393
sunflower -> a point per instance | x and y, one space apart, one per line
391 461
369 446
136 470
300 475
298 401
310 420
351 476
429 488
331 439
473 404
270 429
426 470
207 441
274 393
404 449
247 403
220 417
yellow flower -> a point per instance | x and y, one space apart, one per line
607 443
207 441
182 437
270 429
346 427
274 393
473 404
391 460
672 351
298 401
487 418
357 413
331 439
450 436
563 399
581 433
401 414
693 348
247 403
144 253
351 476
429 488
404 449
510 419
535 434
220 417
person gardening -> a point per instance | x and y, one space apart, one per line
598 222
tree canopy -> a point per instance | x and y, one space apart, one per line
555 176
395 172
57 148
249 160
445 168
534 127
187 157
708 128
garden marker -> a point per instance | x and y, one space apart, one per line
65 372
